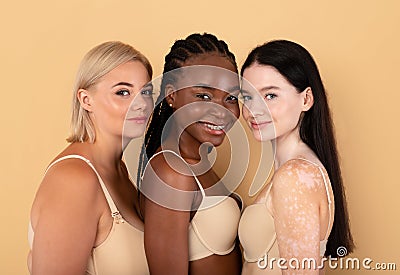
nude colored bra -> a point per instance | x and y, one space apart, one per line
122 252
257 229
212 230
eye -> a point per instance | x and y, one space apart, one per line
270 96
123 92
203 96
147 92
232 98
246 97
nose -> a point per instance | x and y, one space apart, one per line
138 103
218 110
257 107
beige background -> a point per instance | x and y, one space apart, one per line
356 45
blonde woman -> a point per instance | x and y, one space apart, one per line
84 219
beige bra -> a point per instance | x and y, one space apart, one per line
212 230
257 229
122 252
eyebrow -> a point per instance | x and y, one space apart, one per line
207 86
203 85
267 88
234 88
264 89
123 84
148 86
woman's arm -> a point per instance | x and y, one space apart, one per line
165 223
66 224
296 196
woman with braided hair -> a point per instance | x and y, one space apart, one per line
190 218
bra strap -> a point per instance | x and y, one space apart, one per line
329 203
327 194
176 154
111 204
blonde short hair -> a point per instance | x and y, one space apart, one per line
96 63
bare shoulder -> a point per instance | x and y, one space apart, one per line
298 174
71 174
171 170
67 184
65 217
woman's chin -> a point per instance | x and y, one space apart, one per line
215 141
260 137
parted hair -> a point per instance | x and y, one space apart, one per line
297 65
95 64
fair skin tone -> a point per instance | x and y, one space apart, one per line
166 230
70 214
298 199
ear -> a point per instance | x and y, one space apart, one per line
170 94
308 100
85 99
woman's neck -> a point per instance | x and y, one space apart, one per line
184 144
287 147
107 152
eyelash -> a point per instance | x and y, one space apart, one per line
202 96
232 98
125 92
270 95
229 98
147 92
246 97
122 92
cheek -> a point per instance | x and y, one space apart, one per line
245 112
276 112
185 116
106 111
115 107
235 110
285 117
195 112
123 109
149 105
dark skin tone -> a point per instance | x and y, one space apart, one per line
166 230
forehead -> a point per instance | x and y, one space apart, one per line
207 76
211 59
132 71
261 76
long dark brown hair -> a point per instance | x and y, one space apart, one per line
297 65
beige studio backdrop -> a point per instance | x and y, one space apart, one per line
355 43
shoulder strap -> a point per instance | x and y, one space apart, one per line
111 204
327 194
329 203
269 189
176 154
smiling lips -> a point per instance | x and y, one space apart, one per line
259 125
212 128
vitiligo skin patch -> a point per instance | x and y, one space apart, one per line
299 205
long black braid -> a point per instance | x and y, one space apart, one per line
182 50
